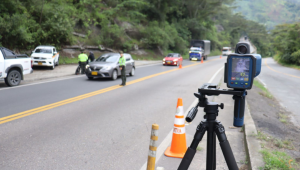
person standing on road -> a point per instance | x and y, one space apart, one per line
91 56
83 58
122 65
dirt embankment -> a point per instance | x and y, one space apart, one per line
273 120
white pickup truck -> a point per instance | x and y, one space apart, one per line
13 66
45 56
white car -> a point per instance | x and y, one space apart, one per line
45 56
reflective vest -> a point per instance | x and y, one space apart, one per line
83 57
122 61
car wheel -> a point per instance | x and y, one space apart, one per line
91 78
57 63
77 70
53 65
132 72
114 75
13 78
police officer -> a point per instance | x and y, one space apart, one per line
91 56
83 58
122 65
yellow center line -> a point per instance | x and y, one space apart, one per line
280 72
84 96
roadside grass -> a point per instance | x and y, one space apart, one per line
278 160
283 117
277 59
199 148
273 142
265 91
67 60
274 155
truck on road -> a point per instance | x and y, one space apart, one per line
203 45
13 66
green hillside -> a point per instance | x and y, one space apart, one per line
269 12
163 25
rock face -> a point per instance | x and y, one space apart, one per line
130 29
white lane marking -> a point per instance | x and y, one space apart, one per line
7 88
168 139
214 76
262 82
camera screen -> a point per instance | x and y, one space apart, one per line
240 69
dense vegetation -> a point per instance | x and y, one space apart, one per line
269 12
151 24
286 42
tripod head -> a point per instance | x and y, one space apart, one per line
209 89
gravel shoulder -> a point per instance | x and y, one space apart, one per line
273 120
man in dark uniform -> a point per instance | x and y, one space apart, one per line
122 65
91 56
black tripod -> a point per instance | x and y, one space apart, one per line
213 128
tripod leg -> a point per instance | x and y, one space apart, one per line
225 146
215 159
211 146
191 151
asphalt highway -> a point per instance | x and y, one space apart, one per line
283 83
82 124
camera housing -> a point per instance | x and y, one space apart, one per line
242 67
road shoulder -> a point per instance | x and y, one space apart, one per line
274 128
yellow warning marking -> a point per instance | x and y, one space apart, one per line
280 72
84 96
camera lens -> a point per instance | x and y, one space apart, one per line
242 49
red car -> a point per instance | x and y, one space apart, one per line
173 59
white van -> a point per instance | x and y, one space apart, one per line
226 51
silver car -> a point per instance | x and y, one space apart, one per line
107 66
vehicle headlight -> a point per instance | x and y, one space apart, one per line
164 59
87 66
189 51
106 68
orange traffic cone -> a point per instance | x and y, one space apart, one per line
178 145
180 64
221 56
201 59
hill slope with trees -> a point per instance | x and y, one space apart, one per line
120 24
269 12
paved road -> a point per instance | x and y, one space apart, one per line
283 83
82 124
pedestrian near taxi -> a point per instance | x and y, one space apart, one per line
122 65
83 58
